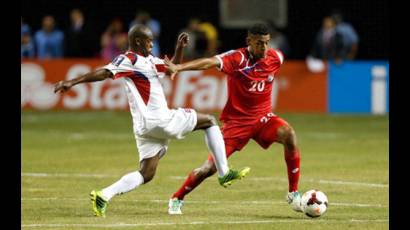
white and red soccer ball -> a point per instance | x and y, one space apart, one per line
314 203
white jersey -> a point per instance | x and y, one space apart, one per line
146 97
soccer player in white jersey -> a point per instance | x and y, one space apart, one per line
154 123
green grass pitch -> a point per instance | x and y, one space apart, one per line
67 154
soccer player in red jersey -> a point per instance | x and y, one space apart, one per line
248 112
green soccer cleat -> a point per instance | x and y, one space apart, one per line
174 206
99 203
232 175
294 199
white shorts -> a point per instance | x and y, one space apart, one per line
180 122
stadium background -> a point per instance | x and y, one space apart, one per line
370 19
298 89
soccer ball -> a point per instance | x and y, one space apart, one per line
314 203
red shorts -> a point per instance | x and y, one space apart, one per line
263 130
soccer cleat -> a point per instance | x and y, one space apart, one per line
294 199
99 203
174 206
232 175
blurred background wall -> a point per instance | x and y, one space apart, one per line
88 34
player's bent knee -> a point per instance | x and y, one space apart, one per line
212 120
287 135
291 134
205 121
285 132
201 172
210 169
205 170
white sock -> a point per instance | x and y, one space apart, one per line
127 183
215 142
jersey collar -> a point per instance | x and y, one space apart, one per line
249 52
139 53
251 57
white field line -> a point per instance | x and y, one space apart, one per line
257 202
127 225
86 175
308 180
353 183
89 175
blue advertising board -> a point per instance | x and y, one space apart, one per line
358 87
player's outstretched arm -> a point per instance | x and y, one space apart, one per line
197 64
97 75
182 42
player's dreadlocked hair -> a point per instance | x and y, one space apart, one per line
259 29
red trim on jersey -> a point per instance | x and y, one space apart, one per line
124 74
139 53
132 56
160 68
143 86
140 81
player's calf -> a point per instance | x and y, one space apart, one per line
192 181
206 170
287 136
147 175
149 167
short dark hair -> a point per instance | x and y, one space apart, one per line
136 31
259 29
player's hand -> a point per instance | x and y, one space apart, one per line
62 86
170 68
183 40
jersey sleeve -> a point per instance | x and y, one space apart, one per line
159 66
279 55
120 66
229 61
158 60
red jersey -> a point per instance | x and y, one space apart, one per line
249 83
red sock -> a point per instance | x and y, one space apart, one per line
292 159
190 183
